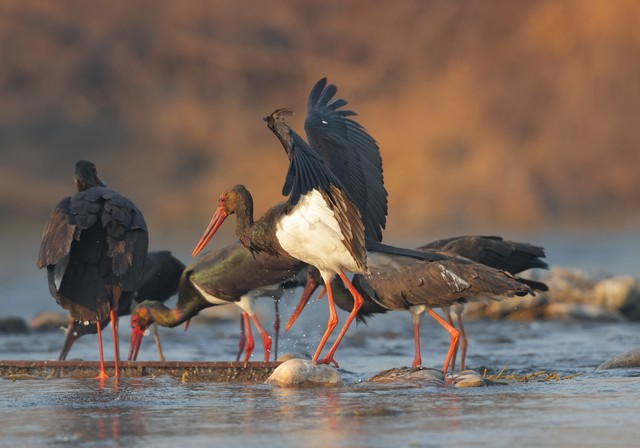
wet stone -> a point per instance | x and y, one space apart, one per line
372 411
421 376
469 378
627 360
304 373
288 356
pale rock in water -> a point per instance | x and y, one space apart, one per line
469 378
627 360
304 373
421 376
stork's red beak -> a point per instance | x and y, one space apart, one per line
136 338
217 220
72 335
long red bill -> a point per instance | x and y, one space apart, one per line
218 218
136 340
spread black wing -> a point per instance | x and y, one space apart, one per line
350 152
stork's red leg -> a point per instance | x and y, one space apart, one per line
250 343
242 340
357 303
417 357
455 337
331 323
463 342
447 313
116 349
266 339
103 374
307 292
276 327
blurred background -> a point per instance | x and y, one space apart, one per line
505 117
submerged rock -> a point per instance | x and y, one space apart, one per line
469 378
627 360
421 376
372 411
304 373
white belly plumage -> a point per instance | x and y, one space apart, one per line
312 234
245 303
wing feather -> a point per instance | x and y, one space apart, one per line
350 152
57 235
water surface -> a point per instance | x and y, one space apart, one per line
593 409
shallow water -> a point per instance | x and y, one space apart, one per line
167 413
593 409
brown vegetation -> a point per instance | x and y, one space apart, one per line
491 115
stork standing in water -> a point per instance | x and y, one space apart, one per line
337 202
513 257
406 283
229 275
160 280
322 228
94 247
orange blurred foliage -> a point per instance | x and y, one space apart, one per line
491 115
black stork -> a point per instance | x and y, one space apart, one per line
231 274
402 281
160 279
336 181
322 228
94 246
351 154
511 256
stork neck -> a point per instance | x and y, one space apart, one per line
244 232
244 219
172 317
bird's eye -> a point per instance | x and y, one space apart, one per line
222 199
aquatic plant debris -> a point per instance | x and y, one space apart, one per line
540 376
